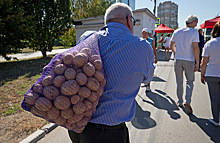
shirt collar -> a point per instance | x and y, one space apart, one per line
118 25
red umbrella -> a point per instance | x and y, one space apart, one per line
210 23
163 29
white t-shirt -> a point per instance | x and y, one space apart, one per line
184 37
212 50
167 43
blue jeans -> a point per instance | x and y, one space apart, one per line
187 67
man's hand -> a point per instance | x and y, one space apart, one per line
155 60
196 67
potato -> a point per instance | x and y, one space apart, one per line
70 87
57 62
75 99
68 59
70 74
38 88
92 84
99 76
37 112
60 121
75 118
94 57
62 102
51 92
43 104
30 98
97 64
93 97
79 108
88 69
99 91
88 104
88 113
70 126
47 81
59 69
67 114
82 122
87 51
53 112
59 80
102 83
80 59
84 92
81 78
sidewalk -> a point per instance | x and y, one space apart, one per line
33 54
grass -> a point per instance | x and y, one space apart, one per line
15 79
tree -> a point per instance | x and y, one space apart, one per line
15 26
52 17
69 37
90 8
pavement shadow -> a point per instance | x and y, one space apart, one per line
142 119
14 69
158 79
161 55
164 102
210 130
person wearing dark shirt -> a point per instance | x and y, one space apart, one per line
201 45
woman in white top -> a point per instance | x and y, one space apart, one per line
210 72
167 45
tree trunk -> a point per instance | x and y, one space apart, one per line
43 51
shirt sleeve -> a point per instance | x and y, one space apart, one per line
173 37
196 37
205 51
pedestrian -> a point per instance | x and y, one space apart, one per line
127 60
155 39
201 45
167 45
145 35
210 72
186 52
161 41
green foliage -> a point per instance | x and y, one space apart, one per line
68 38
90 8
15 26
52 17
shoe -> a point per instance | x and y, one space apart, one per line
188 108
148 88
179 105
214 123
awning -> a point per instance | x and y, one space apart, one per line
163 29
210 23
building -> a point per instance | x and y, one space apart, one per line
131 3
144 17
168 14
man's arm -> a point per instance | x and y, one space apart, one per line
196 55
155 51
172 46
203 66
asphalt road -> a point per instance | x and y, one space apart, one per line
158 119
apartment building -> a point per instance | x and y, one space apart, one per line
168 14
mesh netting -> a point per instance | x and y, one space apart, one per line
69 88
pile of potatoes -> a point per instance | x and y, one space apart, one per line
69 93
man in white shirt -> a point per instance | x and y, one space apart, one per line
186 52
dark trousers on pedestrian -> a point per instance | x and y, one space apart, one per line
99 133
214 92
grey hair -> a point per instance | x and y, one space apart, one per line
191 18
117 10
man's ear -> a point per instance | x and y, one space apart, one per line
129 21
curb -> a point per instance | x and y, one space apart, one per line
39 134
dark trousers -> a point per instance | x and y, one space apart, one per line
98 133
214 92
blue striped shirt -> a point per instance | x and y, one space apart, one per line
126 61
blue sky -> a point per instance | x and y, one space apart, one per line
204 9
